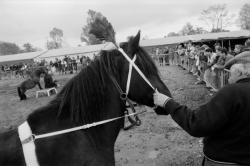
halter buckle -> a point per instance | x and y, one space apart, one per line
123 96
29 139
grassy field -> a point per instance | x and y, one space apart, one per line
158 141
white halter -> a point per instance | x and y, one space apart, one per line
132 64
130 74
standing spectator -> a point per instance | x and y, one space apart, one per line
166 56
64 66
81 60
160 56
181 53
171 56
238 48
74 64
208 53
2 68
223 121
247 45
88 60
222 58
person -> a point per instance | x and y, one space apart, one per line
247 45
181 53
171 56
222 56
49 81
238 48
166 56
223 121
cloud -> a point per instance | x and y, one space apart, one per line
31 20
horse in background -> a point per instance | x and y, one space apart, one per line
90 96
31 82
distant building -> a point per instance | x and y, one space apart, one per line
88 51
48 55
226 39
13 59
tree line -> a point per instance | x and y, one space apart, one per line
217 18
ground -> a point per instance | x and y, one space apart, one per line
159 141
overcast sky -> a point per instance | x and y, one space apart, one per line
23 21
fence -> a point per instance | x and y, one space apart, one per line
221 75
17 74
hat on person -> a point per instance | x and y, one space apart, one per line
247 43
242 58
204 46
208 50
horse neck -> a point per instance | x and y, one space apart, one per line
114 108
106 134
45 120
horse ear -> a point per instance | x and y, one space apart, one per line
136 39
134 43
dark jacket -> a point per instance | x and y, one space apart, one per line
49 82
224 122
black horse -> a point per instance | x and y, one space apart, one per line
90 96
31 82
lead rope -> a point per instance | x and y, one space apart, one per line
34 137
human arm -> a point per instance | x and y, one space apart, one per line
205 120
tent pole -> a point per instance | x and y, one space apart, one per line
229 46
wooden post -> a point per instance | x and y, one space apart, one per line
222 76
229 45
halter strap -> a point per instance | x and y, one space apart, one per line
129 74
136 68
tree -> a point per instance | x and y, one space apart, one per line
97 29
9 48
217 17
189 29
55 40
145 37
244 17
29 48
171 34
200 30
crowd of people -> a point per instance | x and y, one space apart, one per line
67 64
64 65
207 63
223 121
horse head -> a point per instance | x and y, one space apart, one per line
139 86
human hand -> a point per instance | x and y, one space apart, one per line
160 99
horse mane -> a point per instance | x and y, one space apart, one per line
85 94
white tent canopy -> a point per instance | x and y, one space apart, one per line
17 58
196 38
89 51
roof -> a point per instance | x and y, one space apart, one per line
20 57
196 38
77 50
